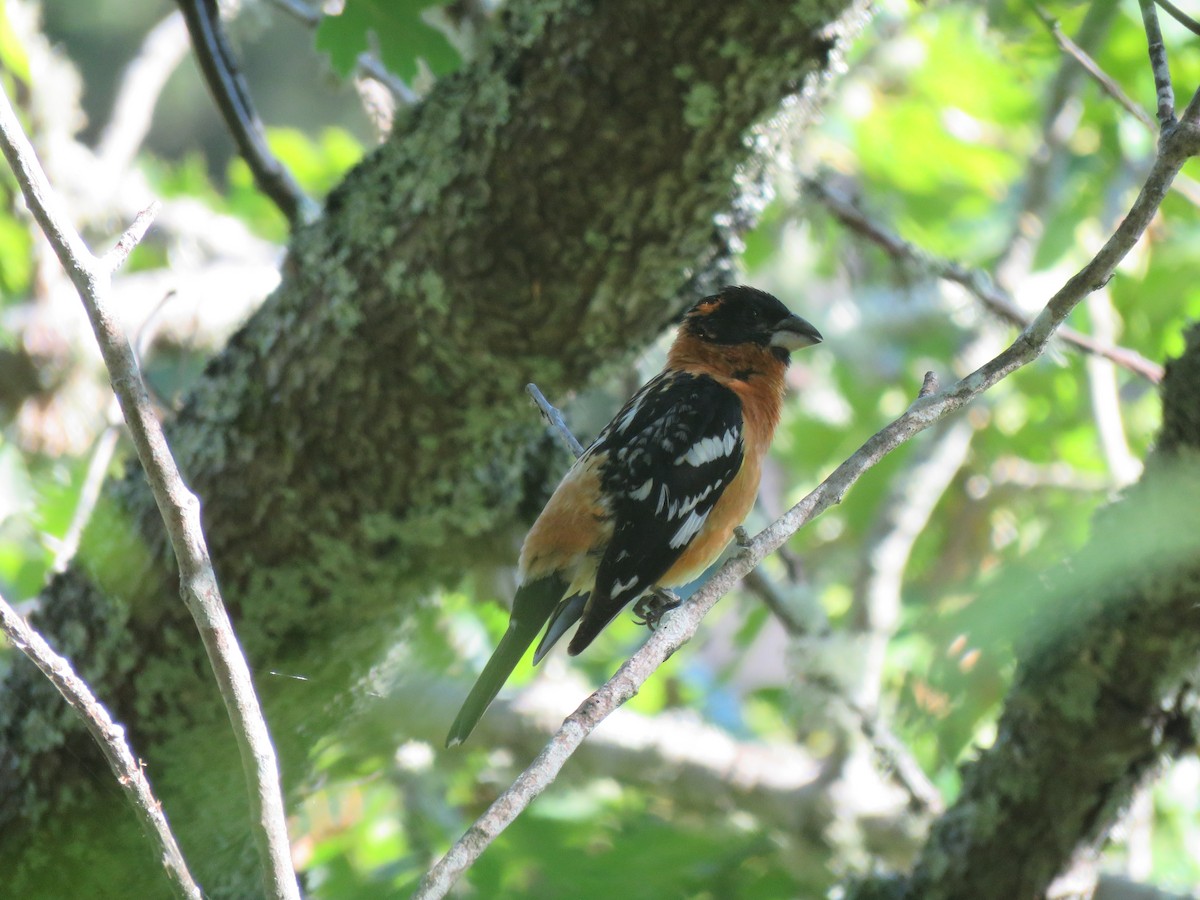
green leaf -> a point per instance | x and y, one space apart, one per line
397 28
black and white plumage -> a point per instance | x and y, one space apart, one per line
655 498
664 462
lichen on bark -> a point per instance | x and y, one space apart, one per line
542 214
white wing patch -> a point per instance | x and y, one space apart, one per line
630 415
643 492
622 587
688 529
707 449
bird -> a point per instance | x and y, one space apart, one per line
656 497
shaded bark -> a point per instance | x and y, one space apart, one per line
365 435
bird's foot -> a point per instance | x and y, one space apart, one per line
653 606
741 537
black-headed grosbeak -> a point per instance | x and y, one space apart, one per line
656 497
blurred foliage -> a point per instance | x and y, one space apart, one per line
398 31
933 128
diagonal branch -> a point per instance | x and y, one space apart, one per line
225 82
974 281
178 506
1107 83
1176 147
111 738
1179 16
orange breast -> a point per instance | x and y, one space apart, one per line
761 397
729 512
574 526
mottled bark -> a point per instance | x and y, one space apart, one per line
1104 693
365 435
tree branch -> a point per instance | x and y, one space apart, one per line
220 69
179 507
111 738
1089 65
1159 65
899 521
975 282
1180 16
677 628
554 418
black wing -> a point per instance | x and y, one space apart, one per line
671 452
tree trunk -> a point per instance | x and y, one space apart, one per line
365 436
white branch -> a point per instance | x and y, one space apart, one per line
1178 143
178 506
111 738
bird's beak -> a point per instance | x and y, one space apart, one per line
793 333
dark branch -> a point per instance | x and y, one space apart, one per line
1158 63
1180 16
229 91
976 282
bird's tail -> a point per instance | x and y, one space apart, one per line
532 606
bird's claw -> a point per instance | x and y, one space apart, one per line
653 606
741 537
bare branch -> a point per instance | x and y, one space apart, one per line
111 738
903 515
554 418
1184 186
130 238
1180 16
178 506
1106 398
678 627
1041 188
977 283
891 752
225 82
1089 65
1158 63
89 495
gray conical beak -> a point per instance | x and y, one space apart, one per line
793 333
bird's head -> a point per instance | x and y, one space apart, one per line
747 316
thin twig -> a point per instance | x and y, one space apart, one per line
130 238
1180 16
891 752
220 69
901 518
89 495
977 283
178 506
1158 64
678 628
113 744
1184 186
1107 83
554 418
1041 188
